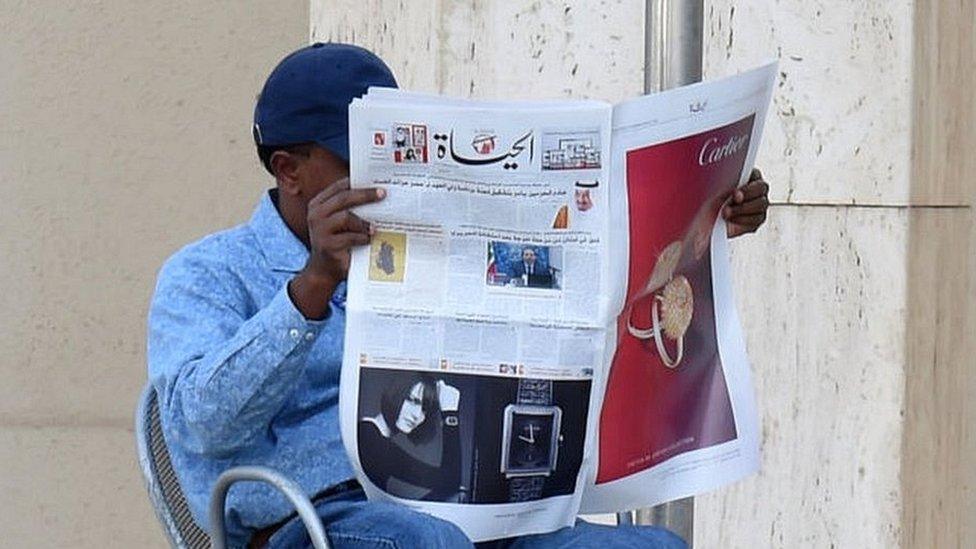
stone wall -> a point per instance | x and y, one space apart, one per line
866 421
126 134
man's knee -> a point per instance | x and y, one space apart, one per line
585 534
398 527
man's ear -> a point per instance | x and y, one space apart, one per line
287 167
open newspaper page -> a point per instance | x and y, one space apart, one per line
476 319
678 416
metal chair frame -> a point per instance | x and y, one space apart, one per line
170 503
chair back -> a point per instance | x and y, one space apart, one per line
164 489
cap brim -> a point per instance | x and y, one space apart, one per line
338 145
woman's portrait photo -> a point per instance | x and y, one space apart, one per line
408 437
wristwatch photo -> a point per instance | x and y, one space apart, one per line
530 439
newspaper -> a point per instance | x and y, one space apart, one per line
543 323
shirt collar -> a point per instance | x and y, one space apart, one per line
284 251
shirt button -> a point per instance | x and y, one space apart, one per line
294 333
309 336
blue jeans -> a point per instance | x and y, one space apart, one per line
351 522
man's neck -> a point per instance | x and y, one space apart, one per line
292 214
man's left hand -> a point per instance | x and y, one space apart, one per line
746 209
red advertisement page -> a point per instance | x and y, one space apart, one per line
666 393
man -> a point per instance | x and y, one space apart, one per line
246 330
530 271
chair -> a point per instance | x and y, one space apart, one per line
170 504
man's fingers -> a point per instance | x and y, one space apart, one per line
346 222
748 222
356 224
351 198
343 241
750 207
747 209
330 191
752 190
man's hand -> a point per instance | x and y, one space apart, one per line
332 231
746 209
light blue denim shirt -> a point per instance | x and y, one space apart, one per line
242 377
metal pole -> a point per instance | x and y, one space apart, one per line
677 516
672 58
672 43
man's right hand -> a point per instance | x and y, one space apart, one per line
333 230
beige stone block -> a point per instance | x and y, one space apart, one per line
968 480
405 34
943 133
503 50
73 487
821 296
839 130
126 135
545 49
938 474
969 404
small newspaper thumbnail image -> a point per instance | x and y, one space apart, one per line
460 438
519 265
410 144
571 150
387 256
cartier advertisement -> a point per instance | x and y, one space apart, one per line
667 352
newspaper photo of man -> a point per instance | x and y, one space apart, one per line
523 266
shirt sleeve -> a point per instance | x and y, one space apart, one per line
221 375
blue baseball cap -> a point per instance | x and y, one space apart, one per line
306 98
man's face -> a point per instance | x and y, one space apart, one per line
320 169
528 256
303 172
583 200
